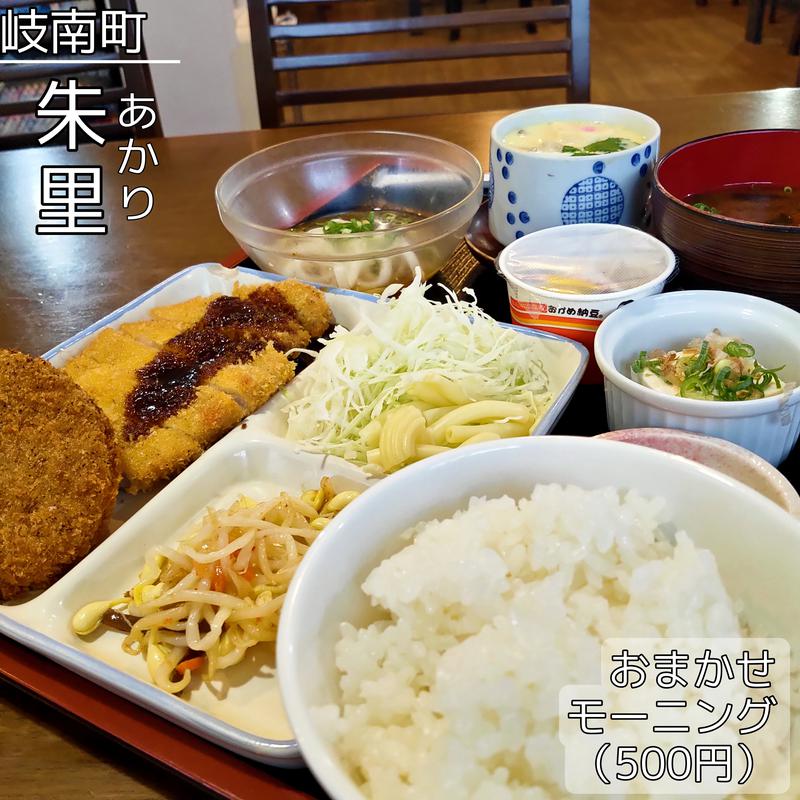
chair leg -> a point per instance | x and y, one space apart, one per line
531 27
794 42
415 10
755 21
454 7
773 11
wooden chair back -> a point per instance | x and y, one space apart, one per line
276 63
25 83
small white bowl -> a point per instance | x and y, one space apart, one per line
756 544
725 457
768 426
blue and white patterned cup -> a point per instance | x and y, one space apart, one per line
529 191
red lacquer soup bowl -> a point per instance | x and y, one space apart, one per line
718 251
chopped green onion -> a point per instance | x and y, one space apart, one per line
640 364
700 363
723 362
350 225
721 377
740 349
693 386
767 376
724 380
643 363
705 207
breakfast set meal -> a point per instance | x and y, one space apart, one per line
346 493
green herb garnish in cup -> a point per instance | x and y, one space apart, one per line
611 145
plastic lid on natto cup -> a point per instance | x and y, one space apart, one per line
585 261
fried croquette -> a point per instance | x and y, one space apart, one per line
174 383
60 470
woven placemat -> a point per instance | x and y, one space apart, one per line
462 269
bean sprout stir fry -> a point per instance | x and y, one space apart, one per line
205 602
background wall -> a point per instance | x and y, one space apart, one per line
213 89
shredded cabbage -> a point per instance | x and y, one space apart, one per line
360 374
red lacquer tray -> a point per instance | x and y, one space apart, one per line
200 761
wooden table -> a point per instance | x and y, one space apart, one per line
53 286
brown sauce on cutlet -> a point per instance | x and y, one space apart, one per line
230 331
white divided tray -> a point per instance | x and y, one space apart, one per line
241 710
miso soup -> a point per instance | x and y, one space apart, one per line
753 202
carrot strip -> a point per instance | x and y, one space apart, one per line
219 580
190 664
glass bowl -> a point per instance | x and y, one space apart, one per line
263 196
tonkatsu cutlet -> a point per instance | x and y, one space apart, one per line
309 304
172 384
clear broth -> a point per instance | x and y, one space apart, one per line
384 219
753 202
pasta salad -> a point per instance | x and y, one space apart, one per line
415 379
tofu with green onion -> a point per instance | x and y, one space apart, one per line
715 367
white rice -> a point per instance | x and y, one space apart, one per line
488 615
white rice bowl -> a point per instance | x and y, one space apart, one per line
449 694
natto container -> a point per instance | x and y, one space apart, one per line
566 280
